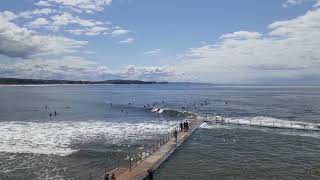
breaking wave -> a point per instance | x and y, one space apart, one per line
64 138
173 113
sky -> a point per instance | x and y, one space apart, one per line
213 41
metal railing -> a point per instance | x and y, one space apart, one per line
129 162
151 148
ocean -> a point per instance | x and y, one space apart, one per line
98 126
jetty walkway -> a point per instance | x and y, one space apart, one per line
137 166
156 156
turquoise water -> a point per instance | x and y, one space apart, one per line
98 124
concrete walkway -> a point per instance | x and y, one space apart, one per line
154 160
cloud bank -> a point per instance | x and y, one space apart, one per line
289 50
77 68
20 42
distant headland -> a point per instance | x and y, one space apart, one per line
17 81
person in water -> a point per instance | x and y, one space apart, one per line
55 113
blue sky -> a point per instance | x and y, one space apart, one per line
210 41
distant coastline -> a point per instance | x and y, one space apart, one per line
18 81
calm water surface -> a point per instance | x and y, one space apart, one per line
98 124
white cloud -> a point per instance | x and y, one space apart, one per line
16 41
88 6
292 2
297 2
67 18
119 31
97 30
59 15
153 52
89 27
8 15
77 68
241 35
66 68
36 12
38 22
163 73
290 50
300 27
127 41
42 3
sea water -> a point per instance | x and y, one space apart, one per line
96 125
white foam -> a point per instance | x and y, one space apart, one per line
157 110
273 122
60 137
267 122
264 122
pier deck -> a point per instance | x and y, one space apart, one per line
155 159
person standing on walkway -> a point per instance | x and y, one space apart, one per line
150 174
187 125
113 177
181 126
175 133
106 177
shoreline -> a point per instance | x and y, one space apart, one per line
45 85
19 81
